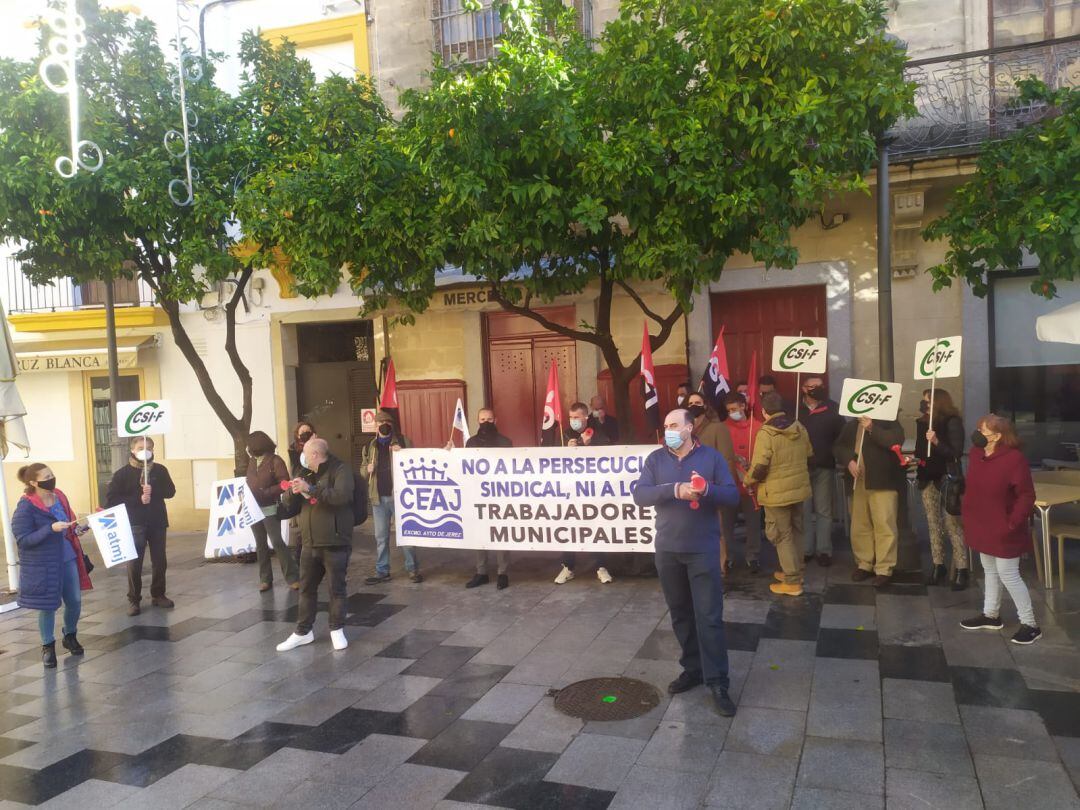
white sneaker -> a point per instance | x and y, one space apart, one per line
604 576
337 638
564 576
294 641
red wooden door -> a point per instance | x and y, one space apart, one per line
427 409
520 353
751 320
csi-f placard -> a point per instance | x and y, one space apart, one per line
870 398
800 355
150 417
939 357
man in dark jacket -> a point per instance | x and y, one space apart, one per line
822 420
326 519
487 435
145 504
865 449
600 419
376 464
688 551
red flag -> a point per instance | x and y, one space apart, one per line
648 377
551 425
716 381
389 393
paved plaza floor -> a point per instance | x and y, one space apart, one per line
846 697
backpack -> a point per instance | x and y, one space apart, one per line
359 499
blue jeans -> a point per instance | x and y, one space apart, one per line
71 594
818 512
383 512
694 594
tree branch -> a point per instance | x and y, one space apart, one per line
574 334
241 370
640 302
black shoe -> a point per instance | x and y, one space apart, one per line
72 645
938 575
824 560
48 655
477 581
378 579
1025 635
503 582
858 575
684 683
881 580
723 704
961 580
416 577
807 557
981 622
754 566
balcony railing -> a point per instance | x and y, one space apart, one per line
21 295
968 99
469 37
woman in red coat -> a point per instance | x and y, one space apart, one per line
997 506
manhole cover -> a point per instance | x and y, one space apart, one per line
607 699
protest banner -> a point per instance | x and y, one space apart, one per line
800 355
526 498
870 398
938 357
143 418
233 511
112 531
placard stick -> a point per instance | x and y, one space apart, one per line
933 386
858 449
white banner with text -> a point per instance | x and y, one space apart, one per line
524 499
233 511
112 531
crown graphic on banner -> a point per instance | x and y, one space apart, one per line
418 472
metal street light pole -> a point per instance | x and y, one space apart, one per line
114 372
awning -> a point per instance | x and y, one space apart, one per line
82 355
1060 326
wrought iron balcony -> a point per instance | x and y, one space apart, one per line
968 99
22 296
469 37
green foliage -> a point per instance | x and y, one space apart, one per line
1025 197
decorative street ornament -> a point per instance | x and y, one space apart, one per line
68 37
178 142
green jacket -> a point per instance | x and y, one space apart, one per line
328 521
369 455
779 464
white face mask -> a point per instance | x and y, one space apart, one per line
303 461
144 455
577 424
737 416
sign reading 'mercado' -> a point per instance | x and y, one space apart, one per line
527 498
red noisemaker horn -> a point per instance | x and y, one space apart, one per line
697 482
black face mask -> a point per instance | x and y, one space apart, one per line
924 407
817 393
695 411
486 428
49 484
303 437
979 440
384 429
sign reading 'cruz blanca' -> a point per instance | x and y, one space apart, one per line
870 398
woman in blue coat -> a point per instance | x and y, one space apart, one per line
51 564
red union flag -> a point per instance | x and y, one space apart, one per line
648 378
389 394
716 381
551 424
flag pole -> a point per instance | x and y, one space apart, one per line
798 386
933 386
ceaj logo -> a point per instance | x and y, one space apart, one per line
144 417
430 502
797 355
868 397
939 354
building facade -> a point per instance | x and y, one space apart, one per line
317 360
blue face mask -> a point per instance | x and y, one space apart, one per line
673 439
577 425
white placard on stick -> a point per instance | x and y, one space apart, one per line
800 355
233 511
940 354
112 531
871 398
150 417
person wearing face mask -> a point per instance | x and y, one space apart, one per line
939 449
711 432
999 498
682 395
302 434
743 441
265 472
487 435
52 565
376 465
149 519
779 473
823 422
688 551
581 435
600 419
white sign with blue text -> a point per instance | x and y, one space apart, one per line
112 531
523 499
233 511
